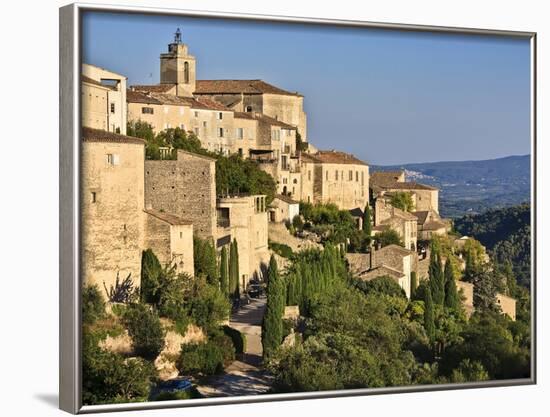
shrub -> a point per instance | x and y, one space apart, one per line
238 338
145 330
123 291
208 306
200 358
225 344
93 306
281 249
109 378
297 222
178 395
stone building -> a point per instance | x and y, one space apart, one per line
171 239
103 92
425 197
507 305
113 221
185 187
283 208
429 224
393 261
403 223
334 177
246 221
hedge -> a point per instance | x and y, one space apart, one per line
238 338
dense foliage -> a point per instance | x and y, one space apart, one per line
402 200
507 235
272 325
234 284
204 257
145 330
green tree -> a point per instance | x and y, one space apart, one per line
436 277
272 325
414 283
389 237
234 284
452 300
402 200
367 221
429 315
224 273
204 255
151 271
93 306
145 330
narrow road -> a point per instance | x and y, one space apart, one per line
243 377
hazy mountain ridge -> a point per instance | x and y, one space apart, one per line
470 187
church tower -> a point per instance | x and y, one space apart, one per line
178 67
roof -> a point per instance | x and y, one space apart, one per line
356 212
168 218
395 249
239 87
286 199
400 214
96 135
421 216
133 96
262 117
332 157
410 186
156 88
89 80
381 271
434 225
383 178
153 97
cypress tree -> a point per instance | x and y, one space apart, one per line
437 280
414 284
233 271
237 277
367 225
451 294
150 273
224 273
429 320
272 325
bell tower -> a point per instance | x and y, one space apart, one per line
178 67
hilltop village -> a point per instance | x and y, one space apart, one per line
132 203
168 213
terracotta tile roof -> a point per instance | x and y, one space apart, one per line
384 178
394 249
421 216
381 271
286 199
168 218
133 96
332 157
205 103
434 225
97 135
239 87
262 117
156 88
400 214
409 186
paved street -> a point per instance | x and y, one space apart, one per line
243 377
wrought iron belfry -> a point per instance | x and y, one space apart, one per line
177 36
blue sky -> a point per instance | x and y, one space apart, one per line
389 97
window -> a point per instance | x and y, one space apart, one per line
181 235
350 178
248 109
94 197
309 175
186 72
336 175
196 114
326 176
112 107
182 126
112 159
204 124
220 132
363 178
240 133
220 116
240 151
356 176
276 134
146 110
196 130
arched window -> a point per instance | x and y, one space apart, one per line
186 72
249 109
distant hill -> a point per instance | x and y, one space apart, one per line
506 233
470 187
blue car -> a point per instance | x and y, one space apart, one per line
175 385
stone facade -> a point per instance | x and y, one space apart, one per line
185 187
430 224
94 102
507 305
283 208
115 108
247 223
387 216
171 239
334 177
178 67
113 221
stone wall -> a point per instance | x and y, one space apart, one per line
186 188
507 304
112 212
94 106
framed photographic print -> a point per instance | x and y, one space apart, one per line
258 208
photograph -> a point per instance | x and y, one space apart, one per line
282 207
